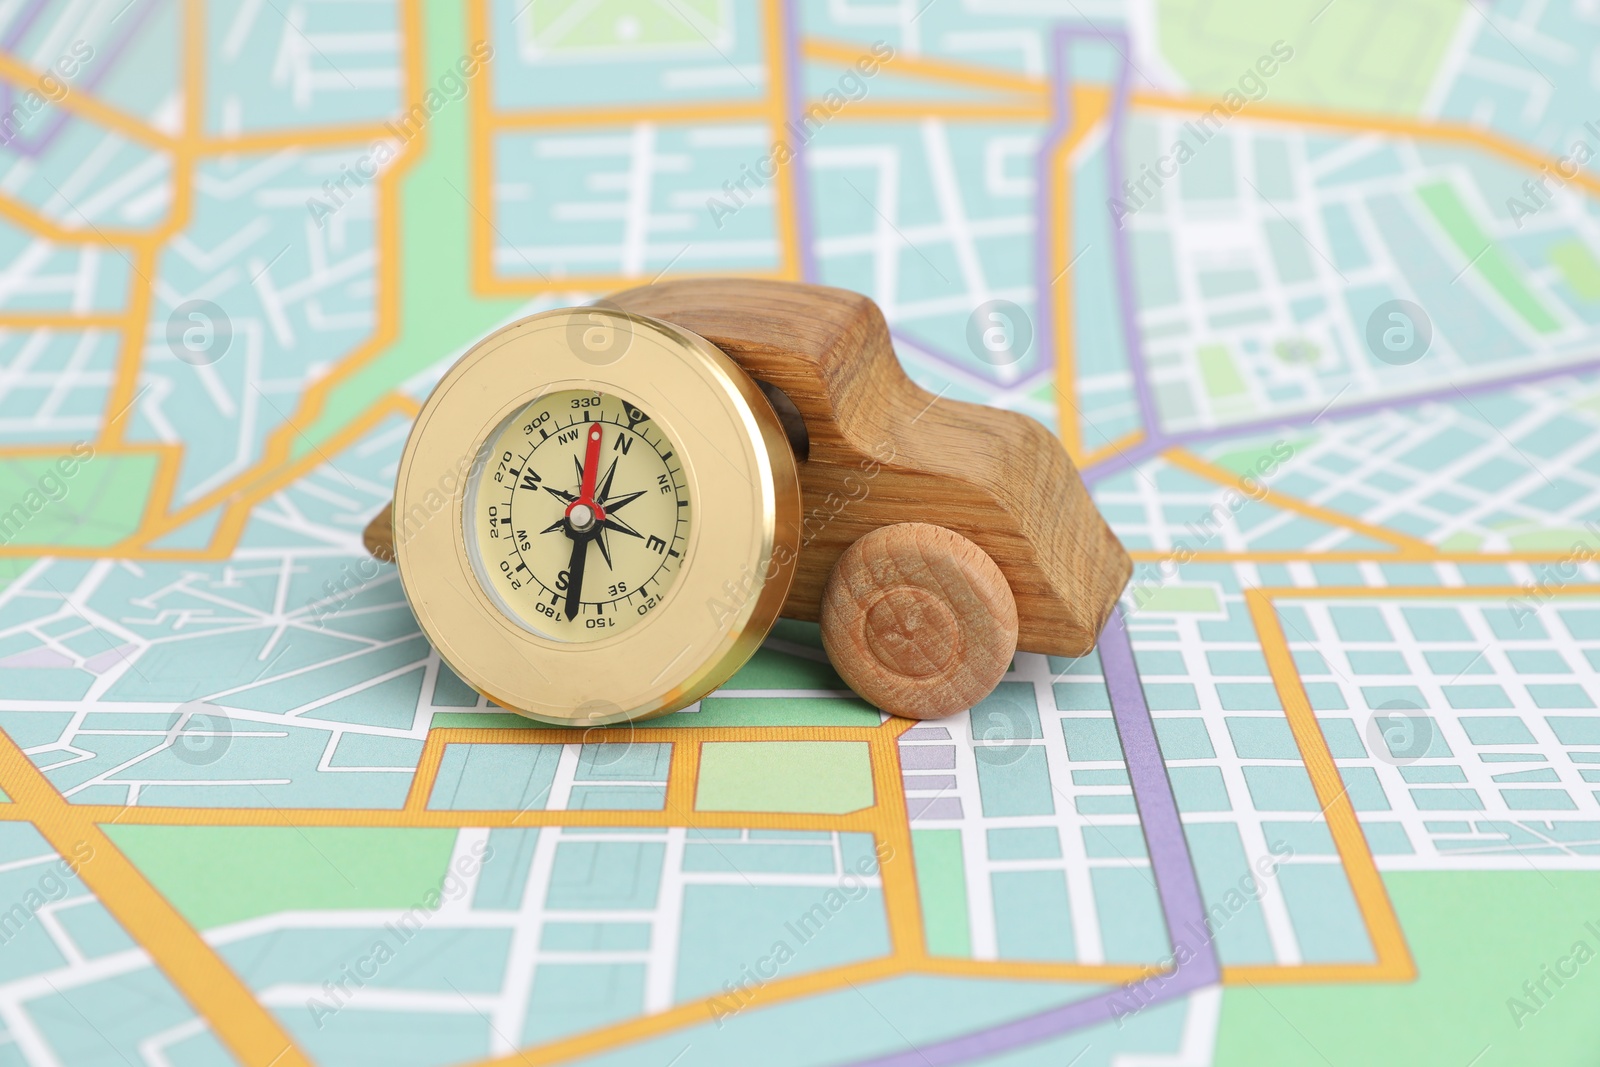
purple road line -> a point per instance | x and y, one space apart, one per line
1061 122
14 33
22 24
794 87
1044 312
104 63
1176 885
1041 375
1170 862
1122 259
1301 420
1127 459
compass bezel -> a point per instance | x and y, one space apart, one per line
743 541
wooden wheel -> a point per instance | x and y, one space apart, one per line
918 620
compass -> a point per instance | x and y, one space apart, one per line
596 517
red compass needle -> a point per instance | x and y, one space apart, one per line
591 469
591 465
582 515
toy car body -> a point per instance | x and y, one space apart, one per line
880 450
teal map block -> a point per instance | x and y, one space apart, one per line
486 777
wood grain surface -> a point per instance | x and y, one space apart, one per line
919 621
378 537
885 451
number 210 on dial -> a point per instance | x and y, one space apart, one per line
579 520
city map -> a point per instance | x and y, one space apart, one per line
1309 290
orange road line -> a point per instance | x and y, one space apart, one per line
349 134
1409 547
901 904
928 68
120 397
485 123
1316 974
1091 104
21 213
897 871
20 551
1089 109
182 199
108 117
697 1012
1059 292
786 209
683 776
994 78
863 821
164 485
194 69
1038 971
167 456
209 985
480 167
1377 912
527 285
1447 132
589 118
1111 448
282 441
1425 592
538 735
1147 555
64 320
89 107
256 484
427 774
231 523
868 110
886 820
877 110
28 451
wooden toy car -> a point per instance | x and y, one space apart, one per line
937 536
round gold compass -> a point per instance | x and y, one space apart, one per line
596 517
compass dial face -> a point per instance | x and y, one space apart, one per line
579 520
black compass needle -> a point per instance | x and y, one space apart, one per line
580 550
614 505
560 494
605 483
609 523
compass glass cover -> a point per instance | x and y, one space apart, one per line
578 520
